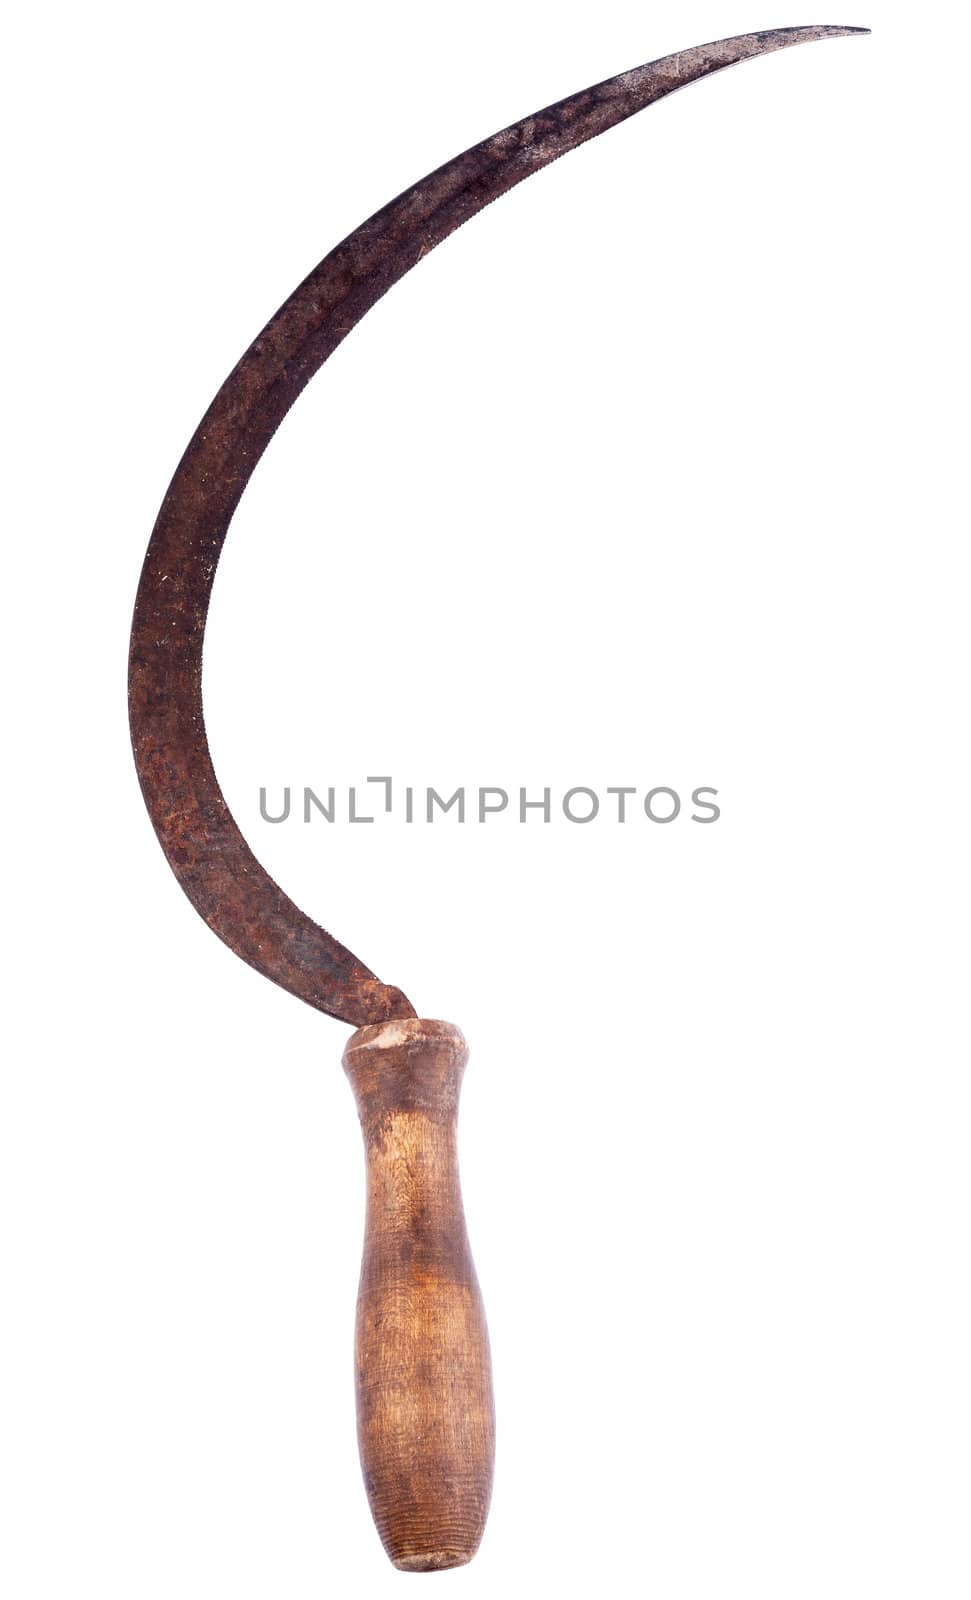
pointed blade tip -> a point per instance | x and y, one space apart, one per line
816 30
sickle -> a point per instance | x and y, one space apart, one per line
429 1502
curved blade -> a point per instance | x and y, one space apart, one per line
205 848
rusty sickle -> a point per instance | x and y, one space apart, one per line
425 1413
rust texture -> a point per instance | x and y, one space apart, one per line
426 1426
205 848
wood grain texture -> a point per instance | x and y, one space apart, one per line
426 1424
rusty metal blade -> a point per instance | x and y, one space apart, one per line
204 847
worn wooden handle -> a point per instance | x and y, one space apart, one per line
426 1426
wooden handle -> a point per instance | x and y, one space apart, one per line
425 1420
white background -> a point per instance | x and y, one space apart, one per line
651 475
